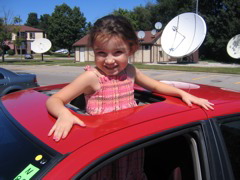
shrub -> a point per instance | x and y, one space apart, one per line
11 52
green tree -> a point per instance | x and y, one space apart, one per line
5 34
66 26
127 14
222 18
165 10
44 22
19 40
88 27
32 20
139 17
142 18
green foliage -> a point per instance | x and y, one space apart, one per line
10 52
44 22
165 10
222 18
145 17
66 26
32 20
127 14
4 34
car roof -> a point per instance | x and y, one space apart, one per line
28 108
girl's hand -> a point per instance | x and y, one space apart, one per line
190 99
63 125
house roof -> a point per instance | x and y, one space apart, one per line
82 42
23 28
148 39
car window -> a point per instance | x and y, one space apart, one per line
176 158
230 129
1 76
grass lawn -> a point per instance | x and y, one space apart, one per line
70 62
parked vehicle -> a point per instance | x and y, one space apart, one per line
28 56
11 81
180 142
62 51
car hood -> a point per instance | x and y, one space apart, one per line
28 108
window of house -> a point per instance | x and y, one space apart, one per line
22 34
146 47
32 35
161 53
230 128
173 158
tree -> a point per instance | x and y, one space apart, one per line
66 26
18 41
139 17
142 17
127 14
165 10
222 18
32 20
44 22
5 34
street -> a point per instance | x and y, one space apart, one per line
47 75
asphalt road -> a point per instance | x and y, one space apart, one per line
47 75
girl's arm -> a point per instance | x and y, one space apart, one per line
56 104
156 86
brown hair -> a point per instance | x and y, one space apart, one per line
111 25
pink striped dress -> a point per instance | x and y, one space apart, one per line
115 93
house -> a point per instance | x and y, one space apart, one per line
150 50
27 34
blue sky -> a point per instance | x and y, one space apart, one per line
92 9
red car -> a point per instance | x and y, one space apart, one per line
179 142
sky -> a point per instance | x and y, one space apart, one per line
92 9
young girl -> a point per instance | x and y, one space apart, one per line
109 87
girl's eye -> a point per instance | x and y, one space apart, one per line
102 54
118 53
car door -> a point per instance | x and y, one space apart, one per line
3 82
173 155
227 129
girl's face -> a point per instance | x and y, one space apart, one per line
111 56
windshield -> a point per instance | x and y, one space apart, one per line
20 157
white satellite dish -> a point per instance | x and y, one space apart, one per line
154 32
183 35
41 45
158 25
141 34
233 47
